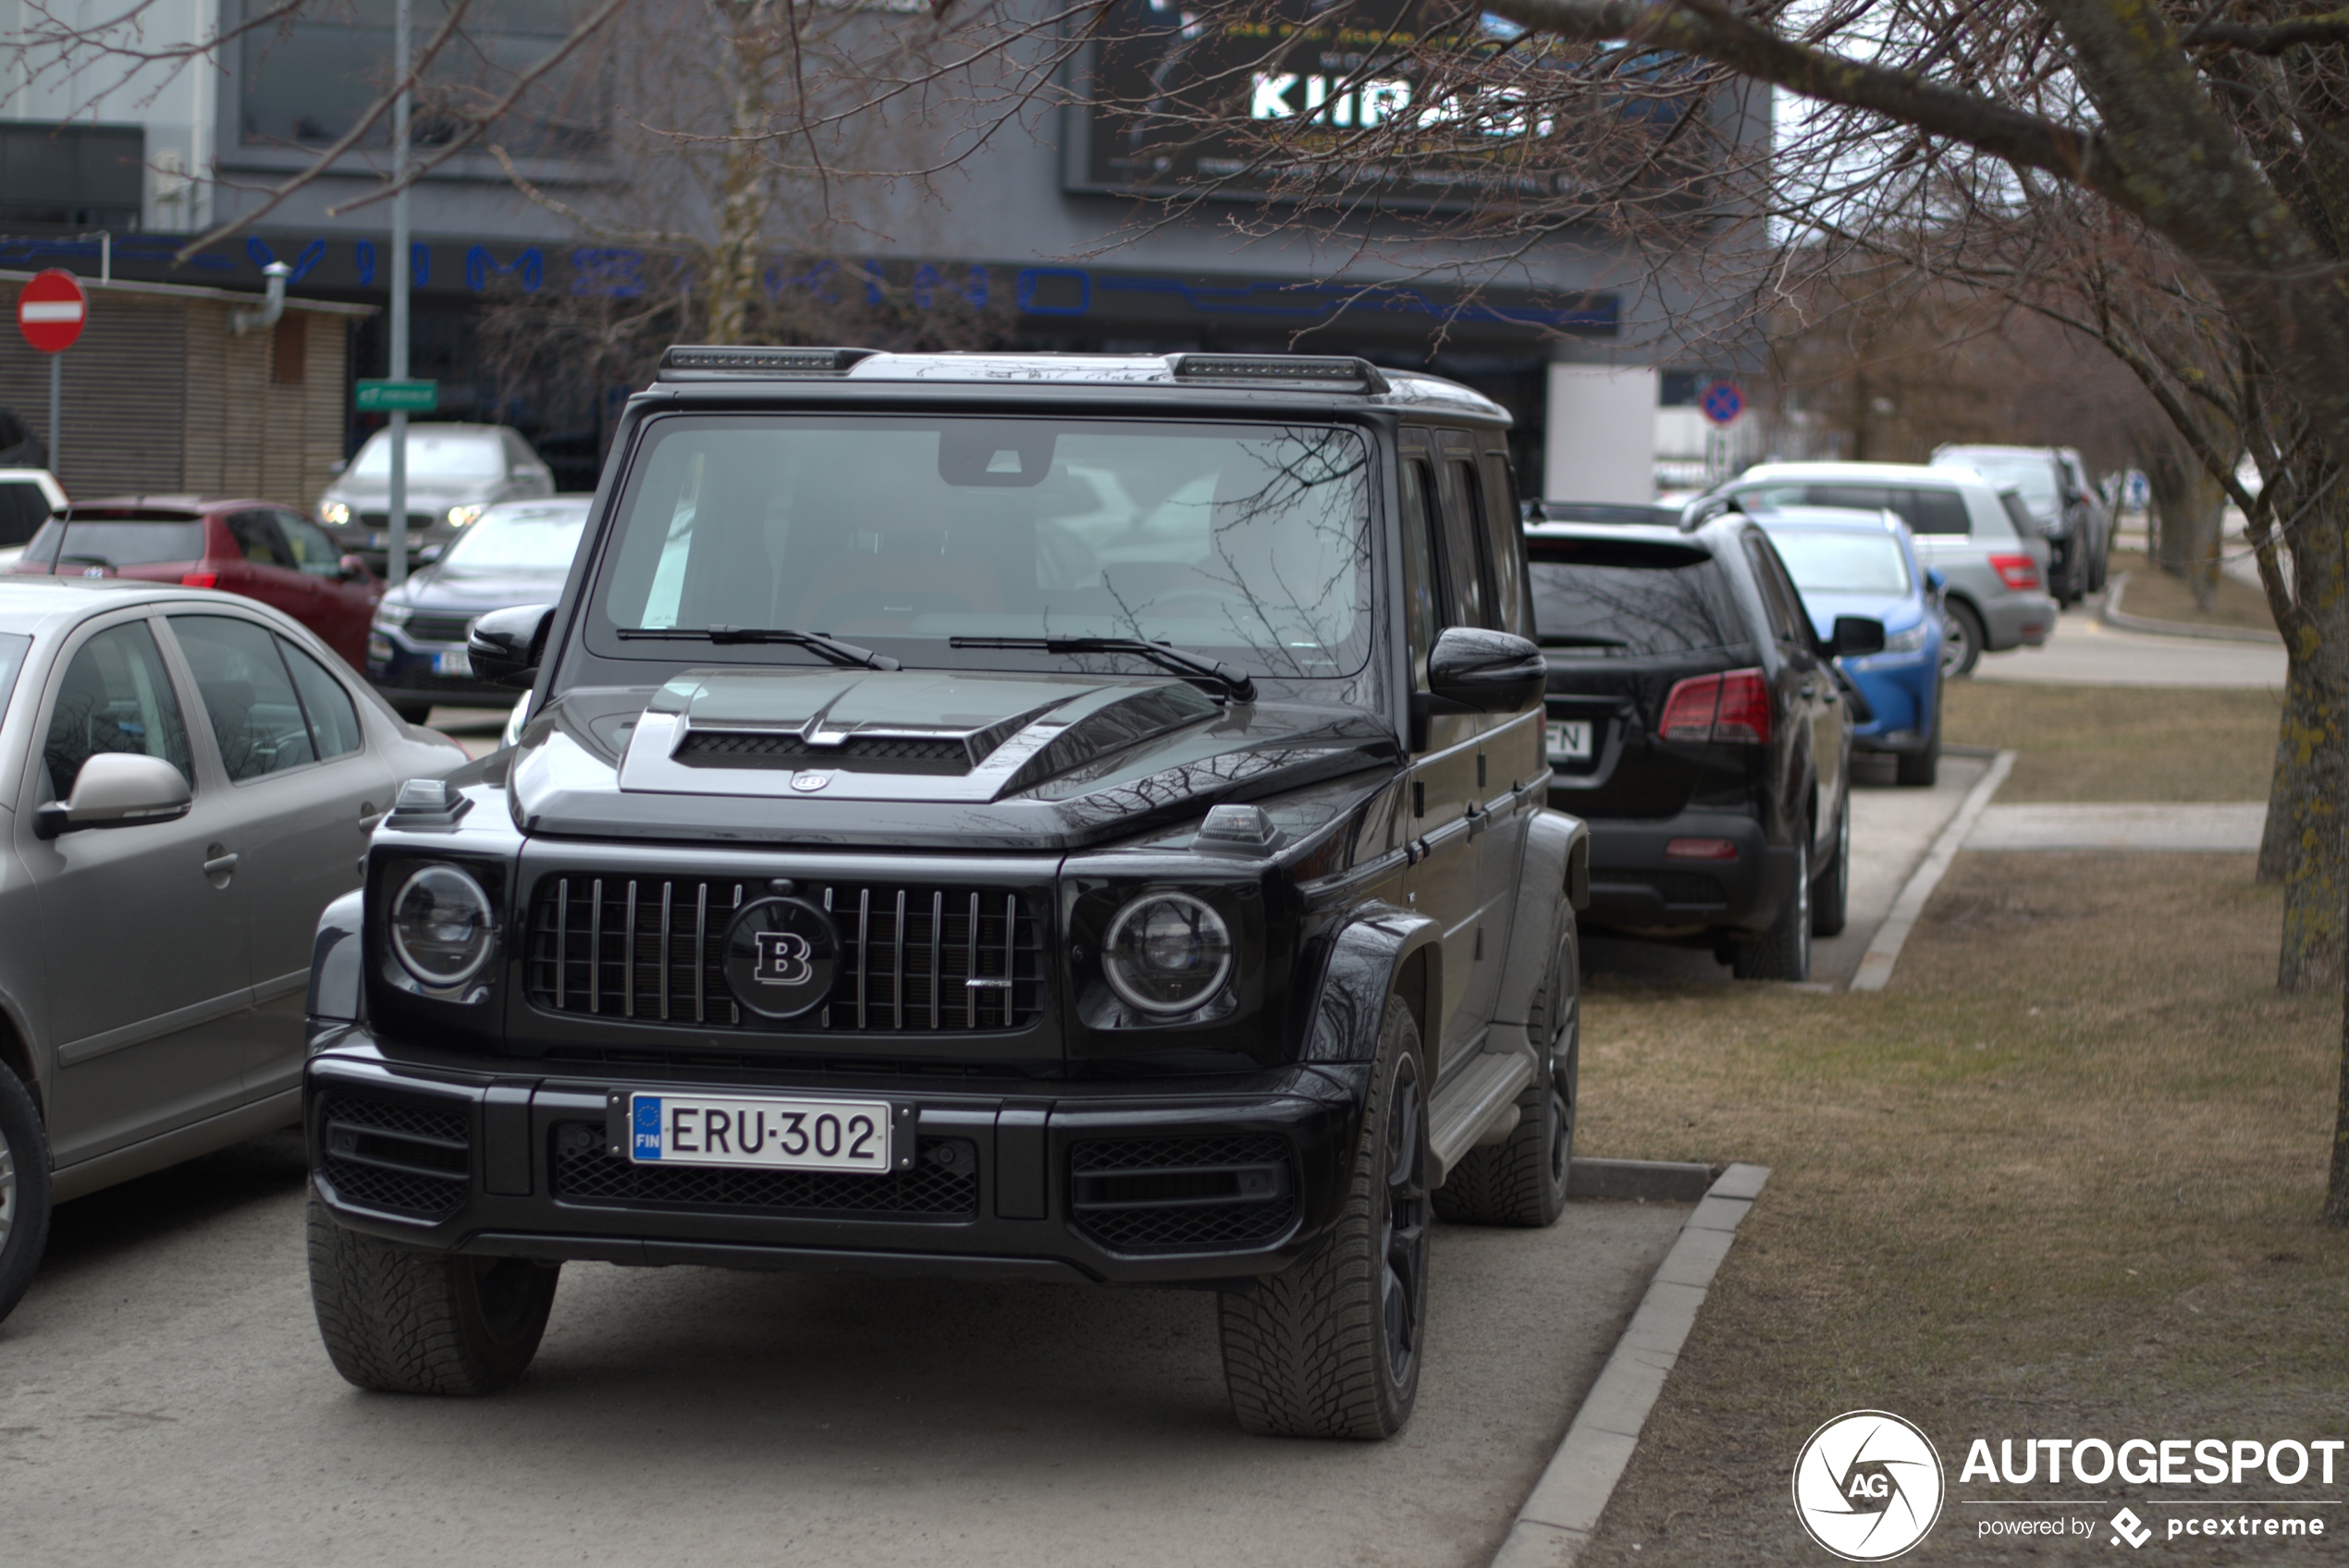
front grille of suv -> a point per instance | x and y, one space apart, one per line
1182 1194
652 949
437 627
943 1184
397 1156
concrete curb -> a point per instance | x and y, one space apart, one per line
1559 1520
1649 1180
2110 613
1884 949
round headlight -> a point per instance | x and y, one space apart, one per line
441 925
1167 953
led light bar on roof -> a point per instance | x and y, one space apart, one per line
726 359
1344 369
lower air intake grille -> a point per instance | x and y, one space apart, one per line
914 961
1183 1194
438 627
944 1184
396 1156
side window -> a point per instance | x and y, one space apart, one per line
115 697
1932 512
23 508
1859 497
1464 567
1778 601
1506 536
247 694
258 540
1422 590
313 553
334 722
2026 525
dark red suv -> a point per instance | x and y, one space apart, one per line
256 548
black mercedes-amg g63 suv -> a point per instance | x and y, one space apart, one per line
1029 817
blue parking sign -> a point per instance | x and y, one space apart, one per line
1722 402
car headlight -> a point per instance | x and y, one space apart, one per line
334 514
1907 642
1167 953
460 516
442 926
391 612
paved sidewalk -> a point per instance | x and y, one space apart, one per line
2231 828
2083 652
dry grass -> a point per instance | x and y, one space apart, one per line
2062 1177
2121 742
2157 596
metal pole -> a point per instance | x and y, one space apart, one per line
56 397
398 369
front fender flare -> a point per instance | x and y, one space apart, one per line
338 978
1364 966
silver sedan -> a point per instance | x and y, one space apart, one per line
186 779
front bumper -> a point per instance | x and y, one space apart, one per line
394 664
1199 1182
1635 887
1899 688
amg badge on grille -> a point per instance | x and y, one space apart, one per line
780 956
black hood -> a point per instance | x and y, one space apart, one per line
930 758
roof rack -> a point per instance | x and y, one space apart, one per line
687 362
1344 369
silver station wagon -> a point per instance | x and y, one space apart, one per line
186 779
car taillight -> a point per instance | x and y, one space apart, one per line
1733 708
200 580
2017 572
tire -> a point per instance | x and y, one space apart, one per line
1831 894
407 1321
1783 952
1521 1180
24 1191
1961 641
415 710
1921 769
1331 1346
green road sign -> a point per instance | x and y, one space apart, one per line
384 397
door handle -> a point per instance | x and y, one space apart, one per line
218 862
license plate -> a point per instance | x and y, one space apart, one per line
453 661
1570 740
785 1134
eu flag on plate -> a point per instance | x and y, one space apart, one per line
647 1126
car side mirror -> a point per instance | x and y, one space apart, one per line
117 790
505 647
1473 670
1858 634
350 569
1934 580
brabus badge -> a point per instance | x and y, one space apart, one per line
805 781
780 957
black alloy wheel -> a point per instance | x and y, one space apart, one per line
24 1191
1961 640
1404 1232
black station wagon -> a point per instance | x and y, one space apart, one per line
1020 818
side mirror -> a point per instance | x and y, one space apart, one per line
1934 580
117 790
1472 670
505 645
350 569
1858 634
427 554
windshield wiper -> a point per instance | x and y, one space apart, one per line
1236 680
831 648
1570 640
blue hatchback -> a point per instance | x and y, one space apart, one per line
1865 563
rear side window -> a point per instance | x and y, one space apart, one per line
1620 598
116 542
334 722
1931 511
1504 535
247 693
2018 514
23 508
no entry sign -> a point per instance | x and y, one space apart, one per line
52 310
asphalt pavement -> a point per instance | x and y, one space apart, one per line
164 1400
2084 652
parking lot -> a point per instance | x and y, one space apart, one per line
163 1397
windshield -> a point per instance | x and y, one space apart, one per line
2034 476
433 455
117 543
1248 540
1605 598
1826 560
520 538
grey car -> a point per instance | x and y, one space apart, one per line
2061 503
1966 531
455 473
186 779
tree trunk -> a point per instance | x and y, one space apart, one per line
2283 779
2309 792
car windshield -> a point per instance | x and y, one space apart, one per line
1606 598
2034 476
117 542
1824 561
434 455
904 532
520 538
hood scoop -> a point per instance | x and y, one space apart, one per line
932 735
